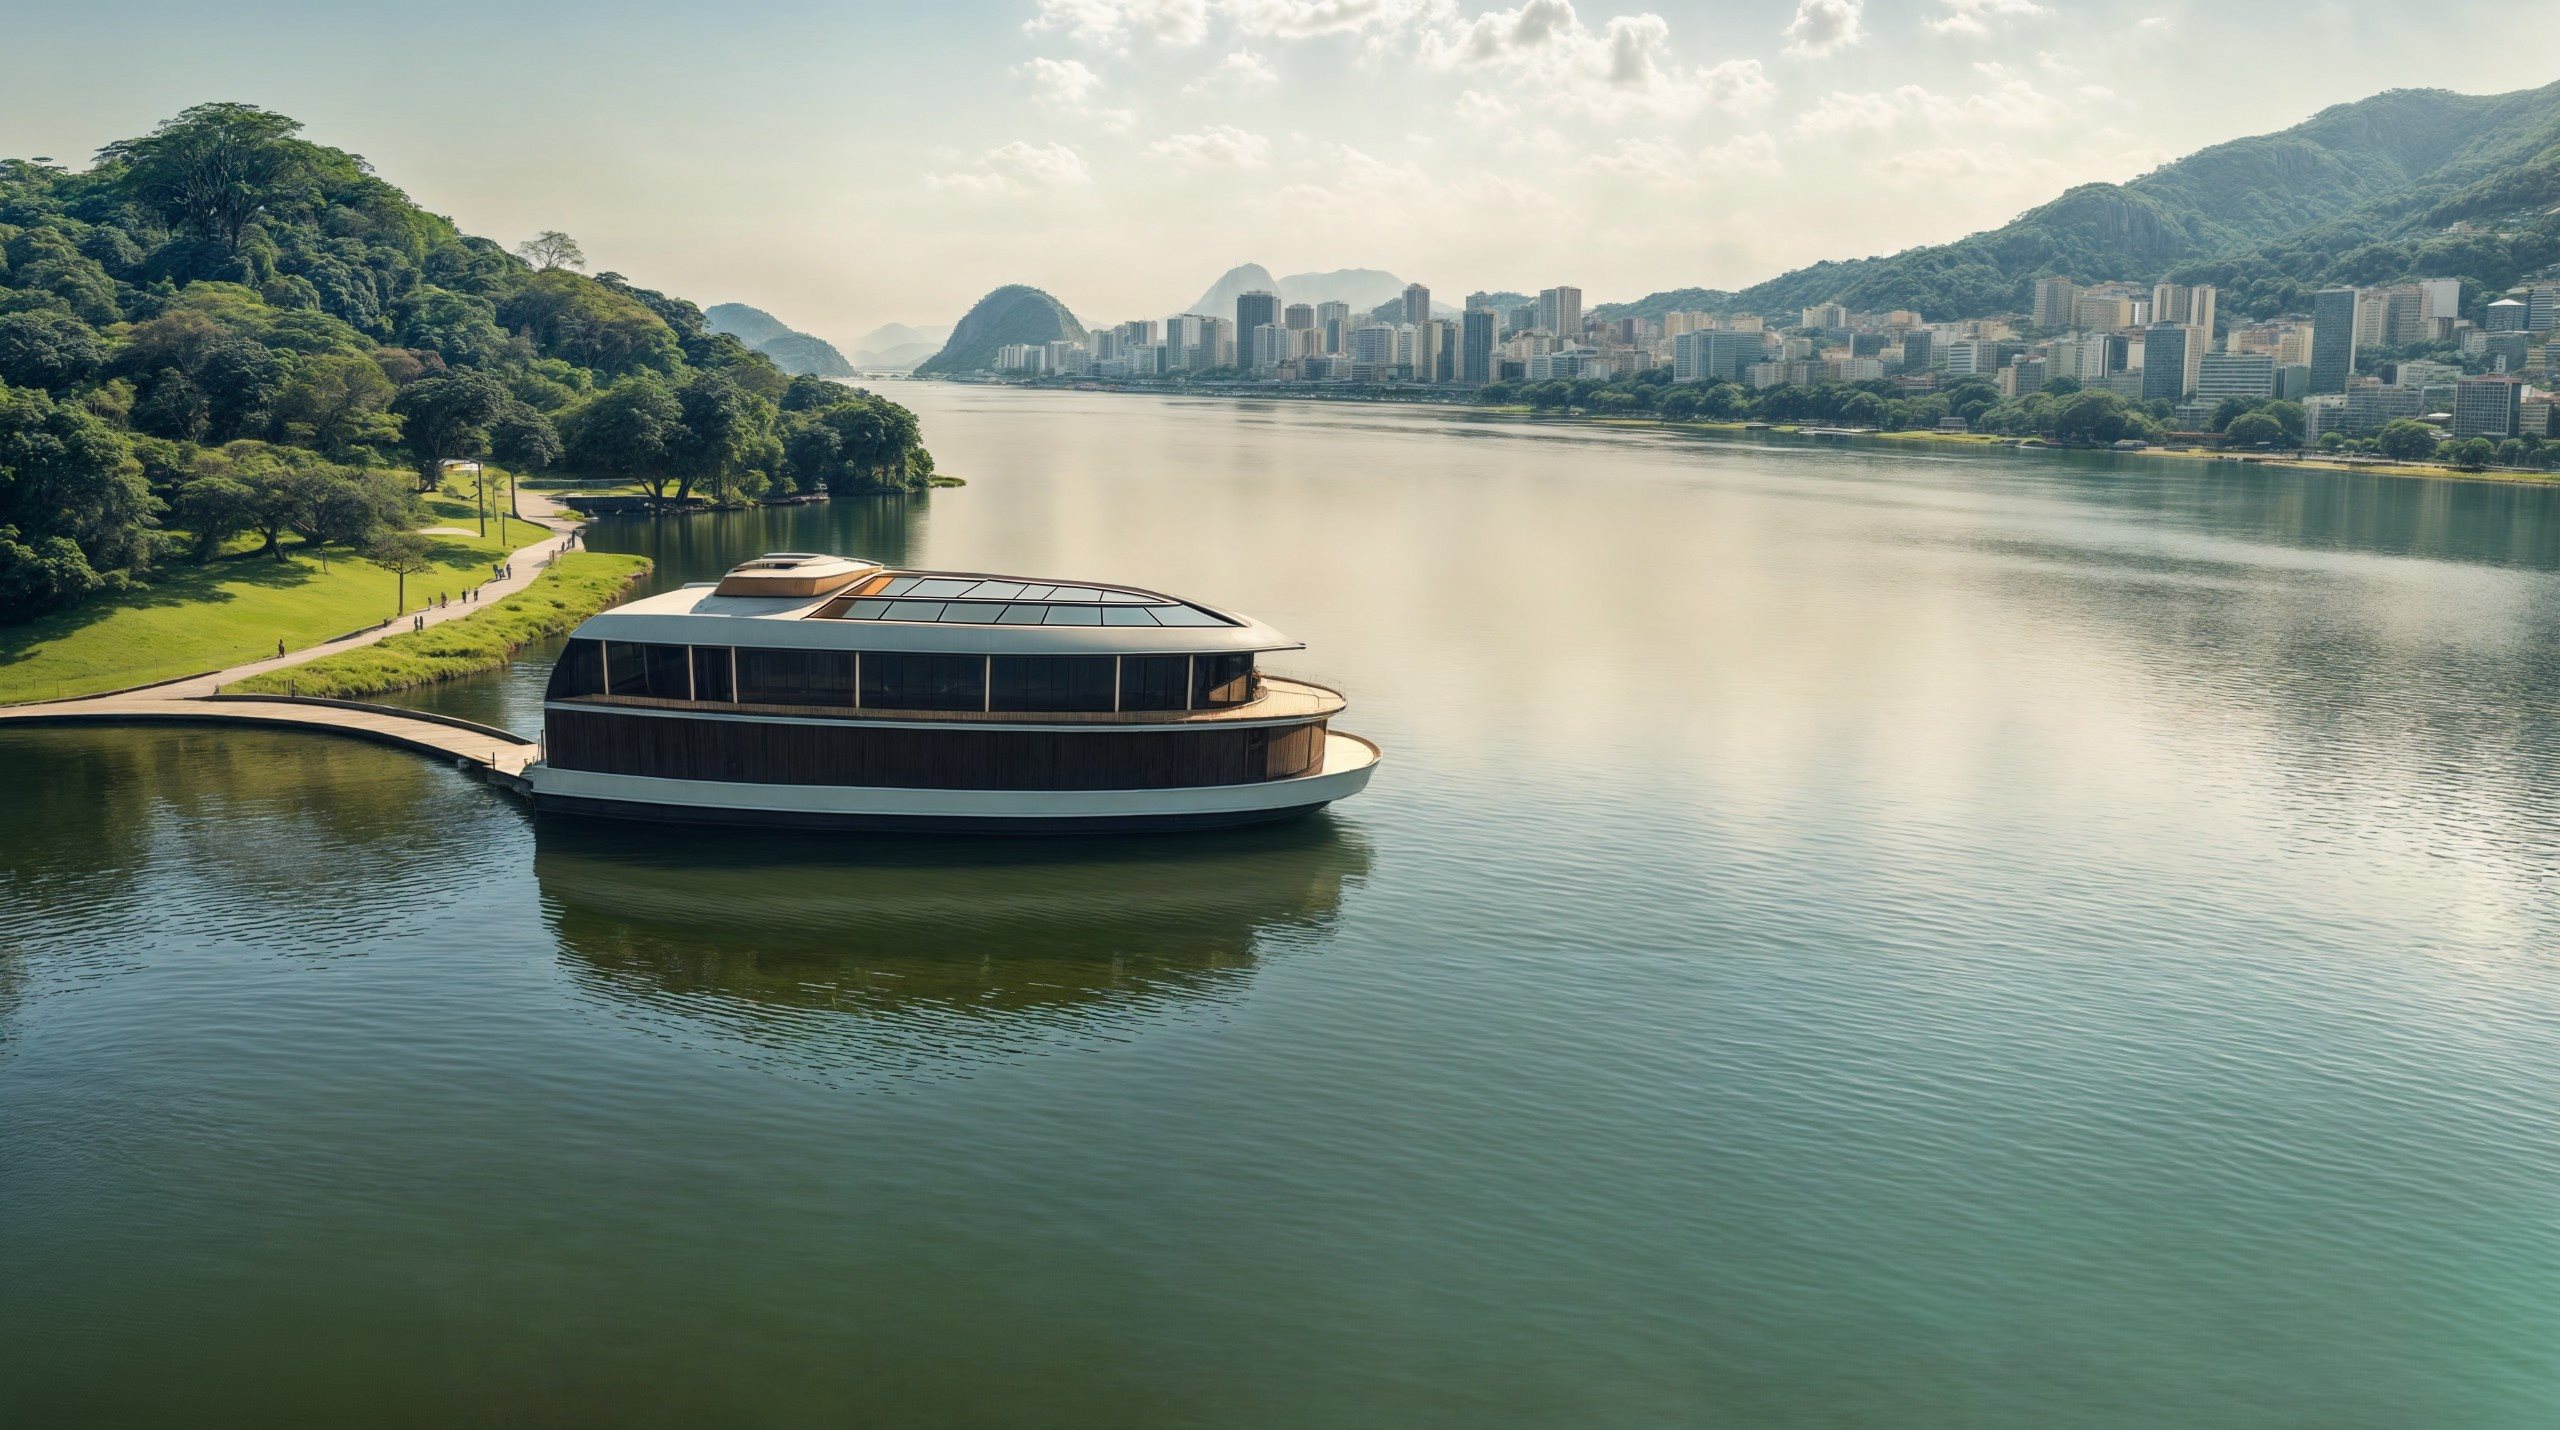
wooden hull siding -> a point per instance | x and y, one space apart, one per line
888 757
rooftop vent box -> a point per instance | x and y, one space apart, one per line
793 575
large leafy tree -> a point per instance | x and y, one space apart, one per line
215 170
48 350
447 419
73 503
629 432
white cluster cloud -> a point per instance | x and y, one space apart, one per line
1242 69
1662 164
1112 23
1296 19
2012 102
1625 66
1064 84
1976 17
1824 27
1016 168
1220 146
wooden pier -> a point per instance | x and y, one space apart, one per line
500 756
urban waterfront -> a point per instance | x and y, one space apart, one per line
1842 937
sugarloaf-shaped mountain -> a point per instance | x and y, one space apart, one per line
1362 288
2360 193
793 351
1015 313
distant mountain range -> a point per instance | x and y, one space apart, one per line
1014 313
2359 193
897 346
793 351
1363 288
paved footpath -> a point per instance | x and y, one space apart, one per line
185 701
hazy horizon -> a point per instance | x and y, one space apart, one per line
843 170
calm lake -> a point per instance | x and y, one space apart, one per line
1842 937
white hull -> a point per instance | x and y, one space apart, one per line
1348 763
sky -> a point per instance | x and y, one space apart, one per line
849 164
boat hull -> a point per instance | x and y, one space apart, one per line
1349 762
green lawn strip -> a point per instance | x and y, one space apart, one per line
579 584
195 618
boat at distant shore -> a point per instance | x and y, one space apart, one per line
804 689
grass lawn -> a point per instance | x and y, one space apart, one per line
235 609
579 584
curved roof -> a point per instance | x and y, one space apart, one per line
956 612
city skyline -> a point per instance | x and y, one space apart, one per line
780 158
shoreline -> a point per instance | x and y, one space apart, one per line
1979 442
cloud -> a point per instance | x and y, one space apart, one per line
1220 146
1479 108
1976 17
1241 70
1823 27
1661 164
1064 84
2013 101
1623 69
1297 19
1016 168
1112 23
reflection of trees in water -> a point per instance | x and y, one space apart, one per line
116 837
896 955
699 547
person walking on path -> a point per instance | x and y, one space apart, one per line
279 647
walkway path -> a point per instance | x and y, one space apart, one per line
194 700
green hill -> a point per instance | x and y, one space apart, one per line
793 351
221 338
2359 192
1011 314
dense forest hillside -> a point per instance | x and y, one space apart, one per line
795 352
1014 313
223 335
2360 192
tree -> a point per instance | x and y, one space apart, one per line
336 400
403 554
522 440
215 169
551 249
2470 452
53 351
241 381
2406 439
711 434
447 419
2253 429
73 502
626 432
1681 404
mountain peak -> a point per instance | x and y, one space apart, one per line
1014 313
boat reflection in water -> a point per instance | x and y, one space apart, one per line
915 957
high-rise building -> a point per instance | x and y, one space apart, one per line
1560 311
1270 346
1417 303
2222 375
1253 310
1298 316
2191 304
2056 300
1374 347
1475 345
2542 308
1334 320
2443 297
2333 339
1916 350
2507 315
1714 353
2370 404
1430 342
1139 332
2487 406
2171 356
1217 342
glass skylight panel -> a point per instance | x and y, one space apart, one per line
971 613
941 586
1075 593
996 590
1074 616
899 587
914 611
1022 615
1127 598
1034 592
1184 616
1127 616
